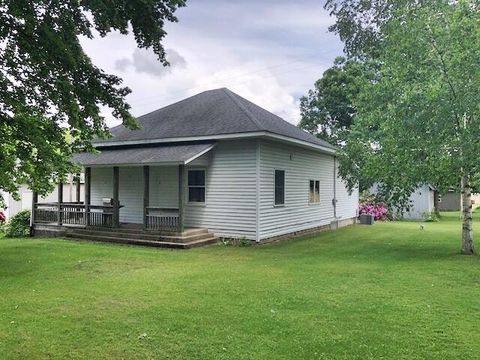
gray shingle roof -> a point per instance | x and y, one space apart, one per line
213 112
178 153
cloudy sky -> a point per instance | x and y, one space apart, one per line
268 51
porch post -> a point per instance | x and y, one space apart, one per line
60 201
34 207
77 189
88 174
181 197
116 209
146 194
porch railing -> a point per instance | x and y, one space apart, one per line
161 219
73 214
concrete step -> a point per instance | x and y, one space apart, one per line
142 236
128 230
130 241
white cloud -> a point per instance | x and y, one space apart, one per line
146 61
270 52
259 87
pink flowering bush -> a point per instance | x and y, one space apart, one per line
370 205
379 211
2 217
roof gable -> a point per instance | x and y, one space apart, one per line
210 113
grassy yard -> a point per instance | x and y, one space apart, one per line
387 291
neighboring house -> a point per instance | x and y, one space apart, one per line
452 201
13 206
216 162
422 202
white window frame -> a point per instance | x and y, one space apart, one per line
284 187
198 203
315 189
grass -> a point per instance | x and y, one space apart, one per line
386 291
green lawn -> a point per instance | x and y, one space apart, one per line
386 291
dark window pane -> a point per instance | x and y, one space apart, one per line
196 177
279 178
196 194
311 197
279 196
279 187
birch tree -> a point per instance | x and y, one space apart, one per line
420 122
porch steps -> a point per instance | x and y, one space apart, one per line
188 239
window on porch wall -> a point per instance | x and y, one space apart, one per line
196 186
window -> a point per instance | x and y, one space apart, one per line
279 187
314 195
196 186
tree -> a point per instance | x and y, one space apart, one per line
50 91
420 122
328 111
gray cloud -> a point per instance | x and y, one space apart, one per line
145 61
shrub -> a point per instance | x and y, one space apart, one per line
18 225
370 205
430 216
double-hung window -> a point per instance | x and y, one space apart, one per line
279 187
314 193
196 186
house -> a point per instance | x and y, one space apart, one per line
73 191
422 202
452 201
212 163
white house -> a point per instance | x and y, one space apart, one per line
422 202
70 194
214 164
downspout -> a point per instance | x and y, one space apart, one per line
334 200
257 203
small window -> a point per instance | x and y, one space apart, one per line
314 194
279 187
196 186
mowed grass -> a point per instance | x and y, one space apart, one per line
389 291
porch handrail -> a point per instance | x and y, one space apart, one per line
73 214
159 221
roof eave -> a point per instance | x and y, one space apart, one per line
244 135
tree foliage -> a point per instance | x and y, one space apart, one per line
328 110
420 122
50 90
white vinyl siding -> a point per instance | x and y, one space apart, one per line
236 171
130 194
347 203
230 201
164 187
300 166
101 184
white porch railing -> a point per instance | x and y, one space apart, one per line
161 219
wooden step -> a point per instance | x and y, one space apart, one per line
128 230
141 236
155 243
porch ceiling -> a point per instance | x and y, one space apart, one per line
162 154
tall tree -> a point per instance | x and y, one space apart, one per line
420 122
328 110
51 92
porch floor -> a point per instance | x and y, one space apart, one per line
135 234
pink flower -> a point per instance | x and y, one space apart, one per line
2 216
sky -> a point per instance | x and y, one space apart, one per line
268 51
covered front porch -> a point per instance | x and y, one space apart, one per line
105 210
127 188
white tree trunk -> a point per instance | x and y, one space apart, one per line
467 226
